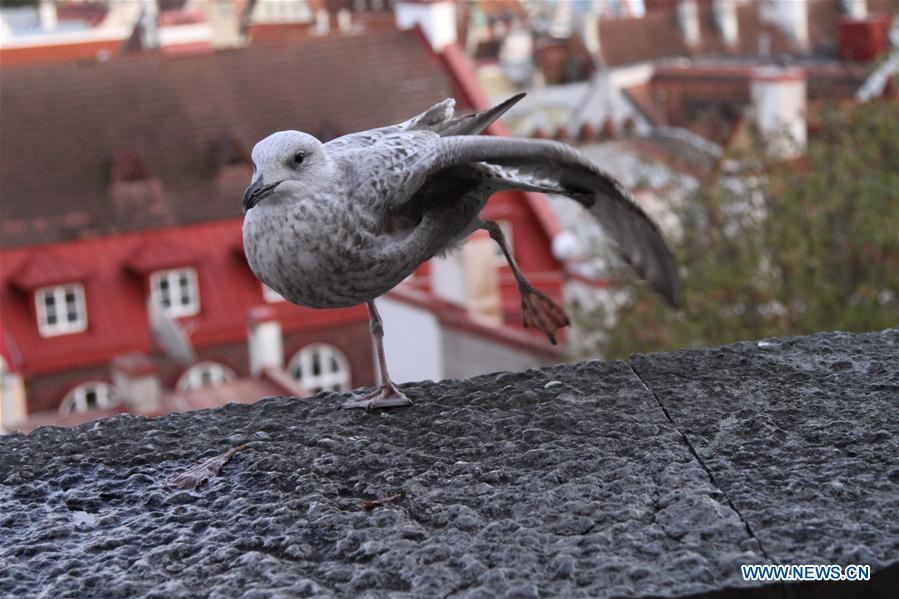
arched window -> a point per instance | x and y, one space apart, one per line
320 367
94 395
205 374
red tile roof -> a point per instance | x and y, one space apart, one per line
89 51
638 39
41 269
658 35
61 124
642 97
151 256
115 297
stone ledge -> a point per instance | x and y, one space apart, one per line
654 477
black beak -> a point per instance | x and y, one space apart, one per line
256 192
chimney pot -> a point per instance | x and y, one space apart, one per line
778 100
136 378
436 19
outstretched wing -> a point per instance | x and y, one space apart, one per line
438 119
553 167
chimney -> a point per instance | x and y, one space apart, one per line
855 9
149 22
561 22
791 16
590 32
778 101
863 36
47 15
13 407
137 381
264 340
725 12
344 20
437 19
322 22
688 21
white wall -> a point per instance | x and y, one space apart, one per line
411 341
419 348
448 277
437 21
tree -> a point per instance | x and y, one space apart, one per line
771 248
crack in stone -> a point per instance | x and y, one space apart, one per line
701 463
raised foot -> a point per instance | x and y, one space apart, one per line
541 313
387 396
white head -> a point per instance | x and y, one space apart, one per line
283 160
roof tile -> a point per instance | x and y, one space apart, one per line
62 123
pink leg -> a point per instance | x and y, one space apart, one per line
538 310
388 396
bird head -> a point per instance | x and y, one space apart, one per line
283 160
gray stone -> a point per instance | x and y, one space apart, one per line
802 436
498 485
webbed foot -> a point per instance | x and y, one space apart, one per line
388 396
541 313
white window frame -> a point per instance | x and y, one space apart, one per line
62 326
172 278
216 373
499 258
270 295
301 367
76 399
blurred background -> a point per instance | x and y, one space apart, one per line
762 136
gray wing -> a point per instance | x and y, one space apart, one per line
553 167
476 122
438 119
432 117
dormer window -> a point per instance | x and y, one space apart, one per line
205 374
95 395
320 367
176 291
61 310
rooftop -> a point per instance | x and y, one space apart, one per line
121 162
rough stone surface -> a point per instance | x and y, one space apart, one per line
801 434
657 477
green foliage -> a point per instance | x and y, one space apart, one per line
781 248
17 3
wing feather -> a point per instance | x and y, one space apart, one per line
438 119
553 167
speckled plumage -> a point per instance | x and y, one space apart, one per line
361 212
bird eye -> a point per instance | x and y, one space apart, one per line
298 157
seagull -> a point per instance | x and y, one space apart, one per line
337 224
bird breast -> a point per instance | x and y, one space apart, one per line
320 255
